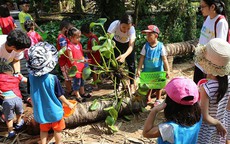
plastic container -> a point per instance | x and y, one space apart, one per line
153 80
67 111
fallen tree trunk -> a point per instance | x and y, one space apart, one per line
83 115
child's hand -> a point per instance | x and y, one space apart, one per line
70 105
138 73
221 130
168 74
159 107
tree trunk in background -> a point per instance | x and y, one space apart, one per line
136 11
79 7
35 10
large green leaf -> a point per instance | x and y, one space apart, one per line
61 51
95 105
97 47
86 72
113 128
101 20
109 120
107 54
72 71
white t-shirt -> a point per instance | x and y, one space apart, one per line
8 56
208 30
120 36
163 51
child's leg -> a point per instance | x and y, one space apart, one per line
158 94
68 85
43 136
57 136
9 124
68 82
149 96
95 77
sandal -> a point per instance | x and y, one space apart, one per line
86 95
80 99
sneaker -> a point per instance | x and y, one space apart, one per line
11 134
19 125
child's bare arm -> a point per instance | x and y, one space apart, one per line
150 130
166 66
141 61
65 101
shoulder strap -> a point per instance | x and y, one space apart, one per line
217 20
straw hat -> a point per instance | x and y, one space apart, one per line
214 57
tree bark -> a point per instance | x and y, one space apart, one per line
83 115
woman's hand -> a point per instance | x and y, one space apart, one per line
121 58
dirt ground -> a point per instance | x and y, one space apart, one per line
130 132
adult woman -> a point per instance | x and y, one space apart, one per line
124 36
212 9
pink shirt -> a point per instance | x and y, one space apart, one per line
34 36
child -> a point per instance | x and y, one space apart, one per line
30 28
94 56
46 91
24 15
182 114
214 58
62 41
11 95
6 21
154 58
75 54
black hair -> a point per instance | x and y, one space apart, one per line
65 24
223 87
219 6
28 24
85 28
72 31
184 115
126 19
5 66
19 39
21 2
4 11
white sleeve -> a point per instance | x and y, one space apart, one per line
113 26
222 29
19 55
163 51
143 51
132 33
166 131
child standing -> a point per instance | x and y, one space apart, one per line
182 114
30 28
75 54
24 15
62 41
6 21
93 56
46 91
154 58
214 58
11 95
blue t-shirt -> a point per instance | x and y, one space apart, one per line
153 59
45 91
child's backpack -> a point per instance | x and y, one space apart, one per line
217 20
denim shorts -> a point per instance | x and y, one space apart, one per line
11 106
77 83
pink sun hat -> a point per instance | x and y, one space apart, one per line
179 88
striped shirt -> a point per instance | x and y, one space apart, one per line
208 133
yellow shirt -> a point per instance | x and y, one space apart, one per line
23 17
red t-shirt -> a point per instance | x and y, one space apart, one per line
7 24
10 83
94 54
77 53
62 41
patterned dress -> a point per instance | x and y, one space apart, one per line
208 133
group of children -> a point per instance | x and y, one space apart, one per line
193 114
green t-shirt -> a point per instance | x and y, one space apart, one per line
23 17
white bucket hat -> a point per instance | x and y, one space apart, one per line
43 58
214 57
